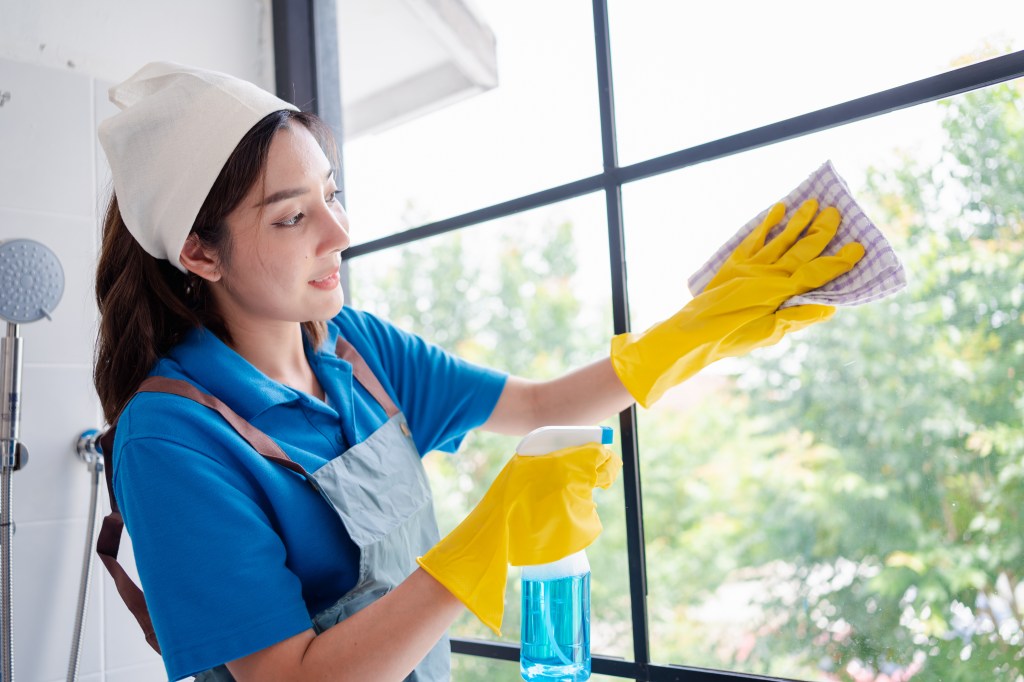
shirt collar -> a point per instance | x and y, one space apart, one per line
214 367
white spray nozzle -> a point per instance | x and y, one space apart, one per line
547 439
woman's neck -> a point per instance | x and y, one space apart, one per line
278 352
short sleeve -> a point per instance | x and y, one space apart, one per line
443 396
212 566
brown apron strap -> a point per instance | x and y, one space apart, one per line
109 541
361 371
107 546
260 441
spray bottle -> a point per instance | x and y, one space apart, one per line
555 630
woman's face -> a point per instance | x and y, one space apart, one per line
286 239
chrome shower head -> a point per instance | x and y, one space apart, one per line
31 281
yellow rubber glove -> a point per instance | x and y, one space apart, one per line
539 509
739 309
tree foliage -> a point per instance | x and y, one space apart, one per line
512 306
919 402
850 506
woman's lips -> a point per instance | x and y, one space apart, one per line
327 282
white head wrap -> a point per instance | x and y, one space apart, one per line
176 129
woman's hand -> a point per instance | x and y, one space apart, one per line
539 509
739 309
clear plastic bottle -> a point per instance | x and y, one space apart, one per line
555 631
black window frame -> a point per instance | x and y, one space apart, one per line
306 69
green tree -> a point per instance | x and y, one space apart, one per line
920 398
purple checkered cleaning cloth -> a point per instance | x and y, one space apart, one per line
878 274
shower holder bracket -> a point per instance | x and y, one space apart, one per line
20 455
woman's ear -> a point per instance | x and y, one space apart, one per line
199 260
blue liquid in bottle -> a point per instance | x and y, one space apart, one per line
555 635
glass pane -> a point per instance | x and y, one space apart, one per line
538 128
474 668
685 76
846 505
528 294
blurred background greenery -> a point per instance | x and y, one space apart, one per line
844 506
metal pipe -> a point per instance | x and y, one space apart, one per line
88 450
10 356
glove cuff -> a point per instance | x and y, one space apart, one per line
472 563
648 372
489 612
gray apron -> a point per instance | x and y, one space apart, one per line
379 490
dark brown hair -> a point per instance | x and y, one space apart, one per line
146 305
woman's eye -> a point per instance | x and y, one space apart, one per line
331 196
293 221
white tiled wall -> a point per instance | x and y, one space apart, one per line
57 60
49 165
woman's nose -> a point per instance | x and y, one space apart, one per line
335 227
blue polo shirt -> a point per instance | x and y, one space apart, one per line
234 552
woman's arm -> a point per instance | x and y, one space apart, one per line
584 396
383 642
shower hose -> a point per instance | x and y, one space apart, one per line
88 450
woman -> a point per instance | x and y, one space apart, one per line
268 438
